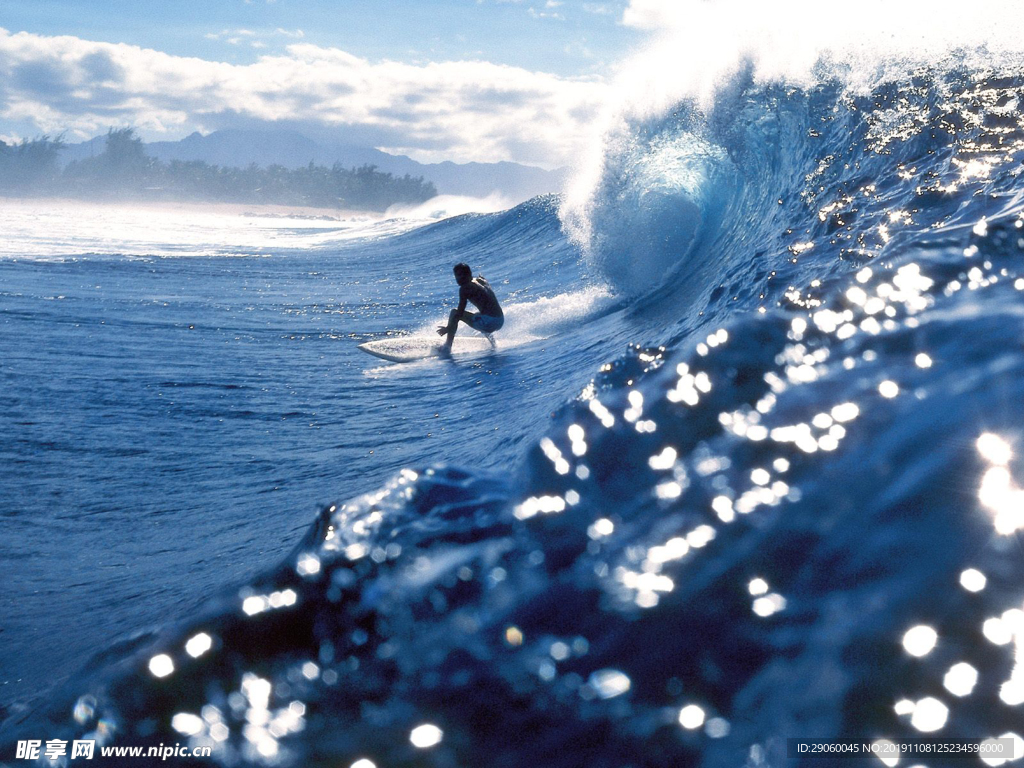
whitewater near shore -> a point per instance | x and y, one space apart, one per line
187 208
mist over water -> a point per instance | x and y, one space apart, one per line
66 229
744 466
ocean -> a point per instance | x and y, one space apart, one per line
744 466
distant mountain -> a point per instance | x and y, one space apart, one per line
240 148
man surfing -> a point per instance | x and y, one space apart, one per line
476 290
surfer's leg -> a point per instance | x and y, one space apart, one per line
469 318
486 325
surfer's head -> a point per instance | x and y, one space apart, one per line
463 274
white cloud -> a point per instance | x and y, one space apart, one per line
461 110
231 36
535 14
579 49
255 39
653 14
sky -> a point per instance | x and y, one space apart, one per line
483 80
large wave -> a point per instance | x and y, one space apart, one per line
726 113
796 518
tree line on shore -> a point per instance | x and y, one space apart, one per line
123 171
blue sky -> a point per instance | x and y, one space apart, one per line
567 38
466 80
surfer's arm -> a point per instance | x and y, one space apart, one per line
455 316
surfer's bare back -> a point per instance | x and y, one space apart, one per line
478 292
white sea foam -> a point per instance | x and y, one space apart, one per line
695 44
446 206
548 316
542 318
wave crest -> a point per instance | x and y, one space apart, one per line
661 189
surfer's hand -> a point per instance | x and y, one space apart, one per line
442 330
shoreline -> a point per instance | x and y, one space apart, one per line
251 210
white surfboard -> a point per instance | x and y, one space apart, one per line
406 349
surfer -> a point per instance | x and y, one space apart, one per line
476 290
